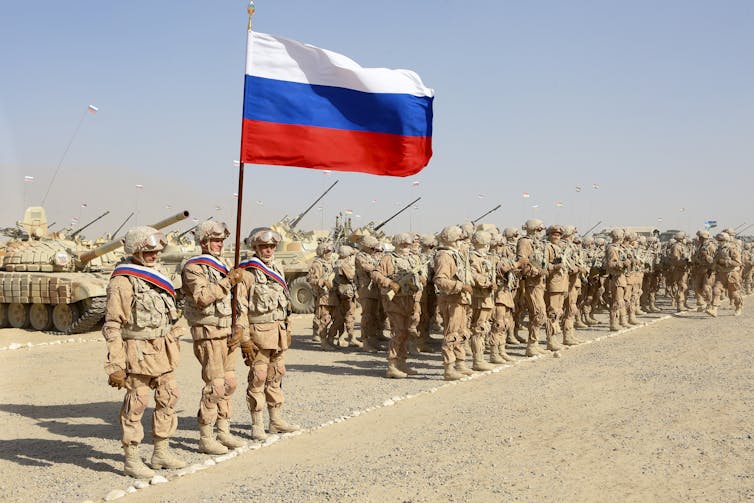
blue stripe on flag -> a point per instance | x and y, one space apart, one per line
286 102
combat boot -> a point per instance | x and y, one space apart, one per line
614 325
477 347
552 344
208 444
569 338
701 308
163 458
623 319
224 436
257 425
462 368
738 311
533 349
712 311
354 342
370 346
134 466
403 367
579 323
278 424
450 373
503 354
393 372
632 319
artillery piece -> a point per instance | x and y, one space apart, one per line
51 284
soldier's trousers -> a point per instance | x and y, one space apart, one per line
265 376
164 418
219 376
535 304
502 320
454 328
369 318
323 317
617 298
554 302
403 314
730 282
702 281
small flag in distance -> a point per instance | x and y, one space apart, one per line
92 109
525 195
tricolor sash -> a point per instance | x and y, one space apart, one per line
255 263
148 274
210 261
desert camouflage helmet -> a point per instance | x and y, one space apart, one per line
555 229
345 251
599 242
679 236
631 236
533 224
730 231
617 233
325 247
722 236
569 230
588 241
450 234
210 230
369 242
481 238
468 229
263 236
428 240
402 238
143 239
703 234
510 232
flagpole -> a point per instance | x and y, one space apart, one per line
239 203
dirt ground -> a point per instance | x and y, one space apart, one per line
661 412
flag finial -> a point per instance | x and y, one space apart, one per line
251 9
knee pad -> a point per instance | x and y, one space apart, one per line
259 374
231 383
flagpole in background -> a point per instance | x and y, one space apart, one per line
239 202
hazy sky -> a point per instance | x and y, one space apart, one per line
651 100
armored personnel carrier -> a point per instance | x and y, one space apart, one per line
51 283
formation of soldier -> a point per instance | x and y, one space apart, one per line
478 284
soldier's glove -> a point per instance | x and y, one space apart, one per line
117 379
466 288
395 287
234 340
249 351
235 276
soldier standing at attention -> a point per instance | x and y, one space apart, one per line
207 281
727 274
401 276
321 276
616 263
453 283
345 291
369 292
532 248
702 270
142 348
482 301
263 303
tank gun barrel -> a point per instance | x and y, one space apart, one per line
78 231
485 214
121 225
307 210
114 244
591 229
396 214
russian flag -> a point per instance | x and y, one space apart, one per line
313 108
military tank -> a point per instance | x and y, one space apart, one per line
51 283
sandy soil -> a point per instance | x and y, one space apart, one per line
662 412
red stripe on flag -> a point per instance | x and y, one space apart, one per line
335 149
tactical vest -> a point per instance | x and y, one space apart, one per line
487 270
268 300
217 314
407 270
153 312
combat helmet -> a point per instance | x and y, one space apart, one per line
263 236
143 239
450 234
533 224
210 230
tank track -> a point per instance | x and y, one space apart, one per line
89 318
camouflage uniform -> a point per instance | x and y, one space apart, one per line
702 271
369 293
344 287
616 264
727 274
321 277
533 250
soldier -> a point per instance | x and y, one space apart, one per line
321 276
633 277
616 263
747 276
506 284
702 271
345 290
263 303
532 248
727 274
556 285
576 267
453 283
401 276
482 302
206 285
651 280
369 292
143 349
429 296
678 262
508 250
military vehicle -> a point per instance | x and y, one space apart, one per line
50 282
